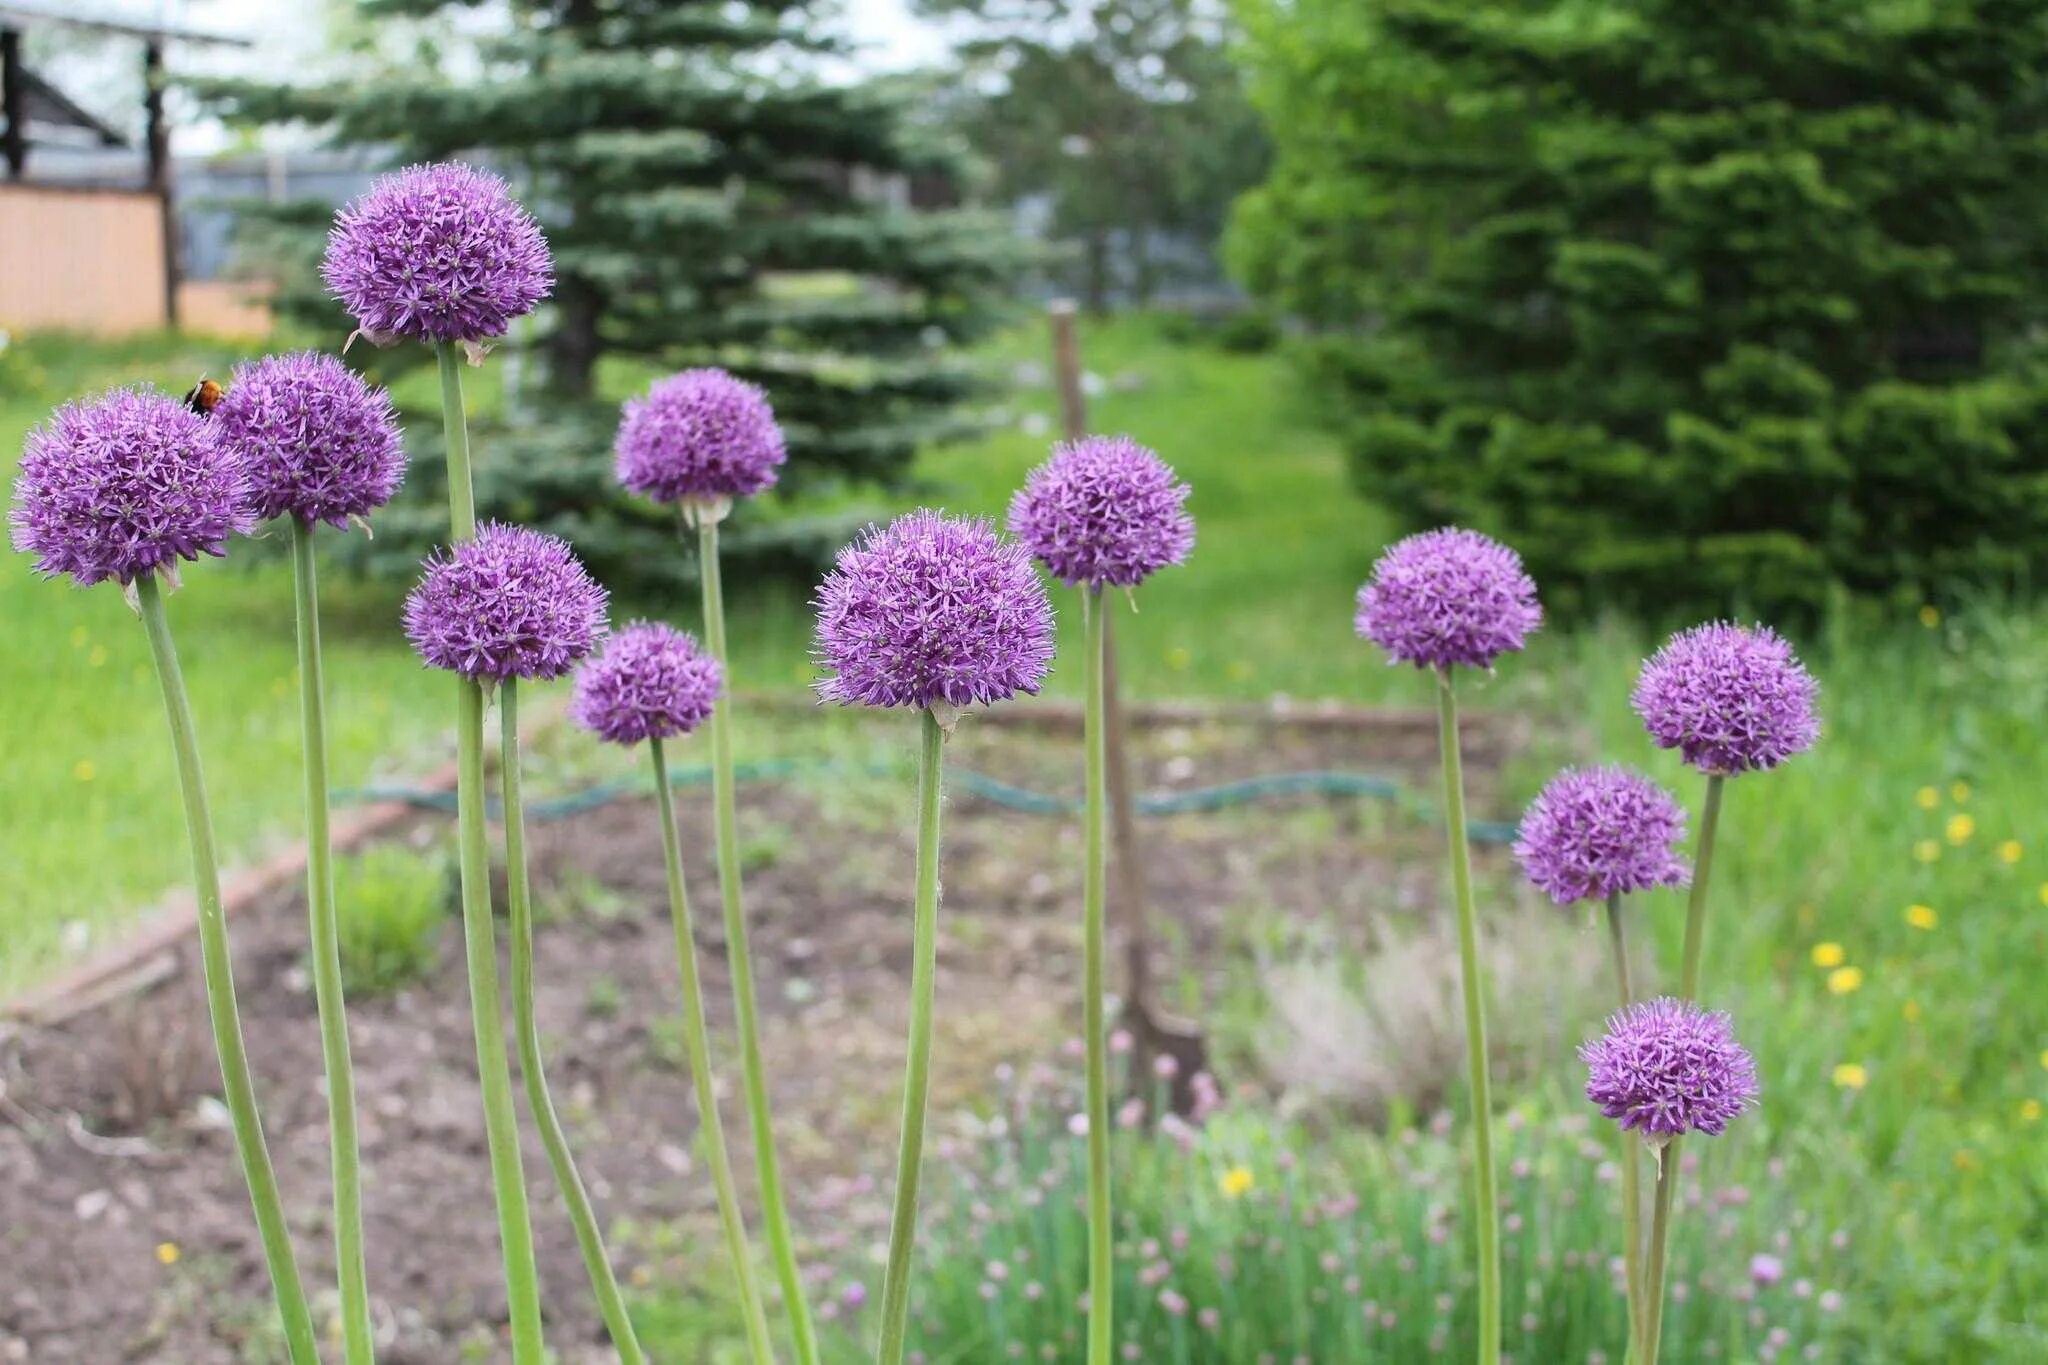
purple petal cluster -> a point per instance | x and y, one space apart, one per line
1729 698
1104 511
123 485
315 441
1601 832
698 434
1667 1067
512 603
1448 597
929 610
437 253
650 682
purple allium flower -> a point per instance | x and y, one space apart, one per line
698 434
125 484
437 253
315 441
1104 511
929 610
650 682
1666 1067
1729 698
1447 597
512 603
1600 832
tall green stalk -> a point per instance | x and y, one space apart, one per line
1696 902
479 934
917 1064
1101 1267
611 1304
1631 1163
358 1334
1660 1238
697 1041
1485 1203
237 1084
767 1167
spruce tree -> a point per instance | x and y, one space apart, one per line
710 200
1701 305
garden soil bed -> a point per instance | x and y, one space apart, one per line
125 1234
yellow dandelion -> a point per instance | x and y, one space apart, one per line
1845 980
2010 852
2044 893
1178 658
1959 792
1926 851
1922 916
1966 1160
79 635
1960 828
1828 955
167 1253
1239 670
2030 1111
1235 1182
2044 1060
84 771
1927 798
98 657
1930 616
1912 1011
1851 1076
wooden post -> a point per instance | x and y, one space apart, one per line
13 103
157 138
1152 1031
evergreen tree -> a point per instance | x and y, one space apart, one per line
1713 304
709 200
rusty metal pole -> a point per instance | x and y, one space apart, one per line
157 141
1152 1032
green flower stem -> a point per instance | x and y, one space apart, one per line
1660 1238
697 1041
237 1084
917 1066
1696 902
1631 1166
611 1304
479 934
767 1168
1101 1307
358 1334
1485 1204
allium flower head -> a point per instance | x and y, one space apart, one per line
698 434
1729 698
315 441
1667 1067
512 603
1104 511
123 485
1601 832
929 610
650 682
437 253
1448 597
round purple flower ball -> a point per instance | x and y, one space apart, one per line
315 440
1104 511
1729 698
124 485
437 253
1667 1067
932 610
1448 597
512 603
649 682
698 435
1601 832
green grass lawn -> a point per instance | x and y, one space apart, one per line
1925 791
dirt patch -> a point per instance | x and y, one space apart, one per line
124 1231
